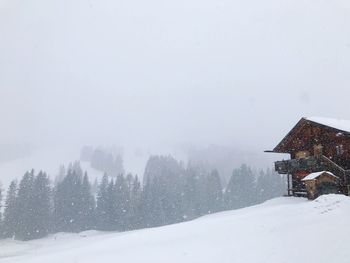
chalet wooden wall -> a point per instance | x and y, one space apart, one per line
312 139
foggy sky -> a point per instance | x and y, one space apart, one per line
170 72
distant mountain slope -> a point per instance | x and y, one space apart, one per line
47 160
284 230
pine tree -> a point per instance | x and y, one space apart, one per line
25 204
41 206
214 193
200 174
10 212
191 195
240 191
112 215
102 219
87 205
121 200
76 169
146 199
135 216
68 203
155 198
278 184
269 185
164 192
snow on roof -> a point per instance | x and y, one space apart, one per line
343 125
313 176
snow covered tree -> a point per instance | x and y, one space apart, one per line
269 185
75 168
68 203
214 196
102 210
25 205
41 219
198 184
122 202
240 191
191 198
163 191
155 214
112 215
87 205
10 212
135 216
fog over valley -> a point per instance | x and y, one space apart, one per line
167 78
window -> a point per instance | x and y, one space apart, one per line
339 149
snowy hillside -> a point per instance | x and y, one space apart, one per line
281 230
49 160
45 160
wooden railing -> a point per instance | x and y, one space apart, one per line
339 171
310 164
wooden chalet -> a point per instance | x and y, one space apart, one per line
319 162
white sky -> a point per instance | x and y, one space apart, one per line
170 72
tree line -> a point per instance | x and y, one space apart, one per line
170 193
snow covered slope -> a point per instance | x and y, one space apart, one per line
47 160
282 230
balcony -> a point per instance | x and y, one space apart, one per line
310 164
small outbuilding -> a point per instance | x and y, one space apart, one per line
321 183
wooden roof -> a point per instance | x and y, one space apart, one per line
341 126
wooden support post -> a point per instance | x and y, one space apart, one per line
288 182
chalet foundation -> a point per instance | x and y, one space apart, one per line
319 163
